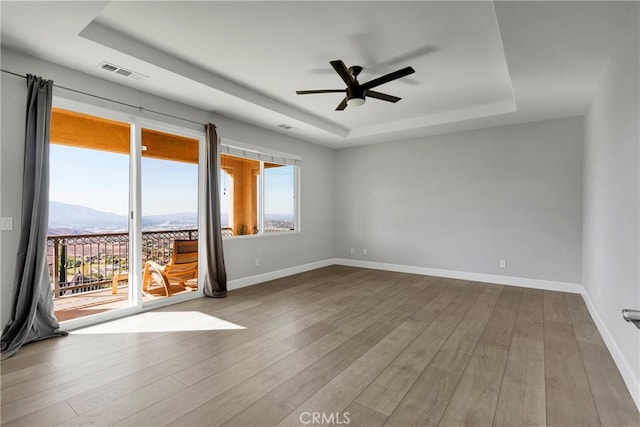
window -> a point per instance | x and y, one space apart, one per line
258 192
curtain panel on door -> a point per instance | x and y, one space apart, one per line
32 317
215 274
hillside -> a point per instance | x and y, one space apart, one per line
64 217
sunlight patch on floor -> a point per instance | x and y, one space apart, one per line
161 321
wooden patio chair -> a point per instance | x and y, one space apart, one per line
182 267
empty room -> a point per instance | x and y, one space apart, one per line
301 213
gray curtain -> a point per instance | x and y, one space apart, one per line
32 316
215 274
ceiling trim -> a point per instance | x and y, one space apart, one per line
486 110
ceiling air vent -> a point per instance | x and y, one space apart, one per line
121 71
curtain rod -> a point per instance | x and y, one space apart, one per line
137 107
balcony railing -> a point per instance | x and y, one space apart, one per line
88 262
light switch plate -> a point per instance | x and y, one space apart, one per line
7 223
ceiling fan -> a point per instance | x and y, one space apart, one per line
356 92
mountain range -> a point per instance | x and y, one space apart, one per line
64 217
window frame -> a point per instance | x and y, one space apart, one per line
262 155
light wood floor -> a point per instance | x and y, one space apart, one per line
359 347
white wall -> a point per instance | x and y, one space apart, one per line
314 243
12 109
611 237
466 200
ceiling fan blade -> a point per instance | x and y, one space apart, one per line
388 77
382 96
343 72
307 92
342 105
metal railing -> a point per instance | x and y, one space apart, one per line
81 263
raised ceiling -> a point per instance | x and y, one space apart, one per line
477 63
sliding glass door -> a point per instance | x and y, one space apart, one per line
124 194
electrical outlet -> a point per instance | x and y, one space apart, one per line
364 252
503 263
353 251
7 223
257 262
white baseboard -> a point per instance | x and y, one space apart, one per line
549 285
625 370
272 275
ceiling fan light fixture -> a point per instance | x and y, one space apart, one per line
356 92
355 102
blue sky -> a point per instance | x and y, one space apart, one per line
100 180
279 188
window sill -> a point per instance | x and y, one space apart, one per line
264 235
